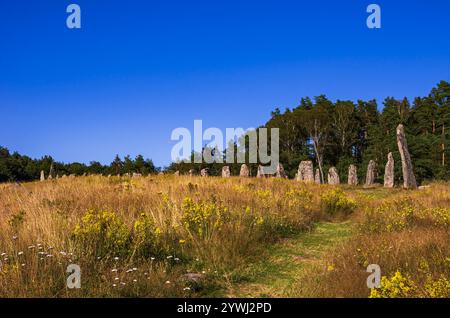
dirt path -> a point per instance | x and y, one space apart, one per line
289 260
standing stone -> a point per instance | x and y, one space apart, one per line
191 172
305 171
280 172
204 172
42 175
409 180
260 173
317 176
333 176
370 175
244 173
389 172
136 175
352 175
177 173
51 172
226 172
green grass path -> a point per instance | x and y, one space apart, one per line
289 260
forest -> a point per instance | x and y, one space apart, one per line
17 167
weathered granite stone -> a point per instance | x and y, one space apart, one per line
317 177
204 172
136 175
409 180
333 176
226 172
305 171
389 172
280 172
51 173
370 174
191 172
193 278
352 175
177 173
260 173
42 175
244 173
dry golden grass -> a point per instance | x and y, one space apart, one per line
140 236
208 225
407 234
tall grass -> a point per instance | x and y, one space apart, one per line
168 236
407 234
140 236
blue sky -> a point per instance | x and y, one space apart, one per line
138 69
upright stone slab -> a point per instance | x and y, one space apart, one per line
51 173
280 172
260 173
317 176
305 171
226 172
333 176
136 175
177 173
191 172
409 180
352 175
370 175
204 172
42 175
389 172
244 173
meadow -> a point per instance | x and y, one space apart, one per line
181 236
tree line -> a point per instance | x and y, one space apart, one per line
345 132
16 167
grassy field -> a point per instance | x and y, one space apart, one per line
168 236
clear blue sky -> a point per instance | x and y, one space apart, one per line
138 69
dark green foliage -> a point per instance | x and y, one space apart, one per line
343 133
15 167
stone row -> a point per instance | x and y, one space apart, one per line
306 173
